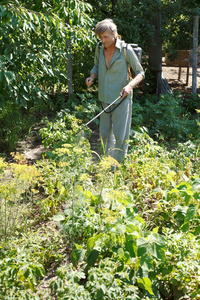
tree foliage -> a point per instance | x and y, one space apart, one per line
34 53
33 50
134 18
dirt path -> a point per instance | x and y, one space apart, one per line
33 149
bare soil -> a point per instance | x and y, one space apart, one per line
172 74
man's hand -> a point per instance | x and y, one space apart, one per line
89 81
126 91
131 85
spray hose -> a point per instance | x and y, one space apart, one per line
104 110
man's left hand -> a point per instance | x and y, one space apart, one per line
126 91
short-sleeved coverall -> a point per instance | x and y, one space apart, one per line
115 126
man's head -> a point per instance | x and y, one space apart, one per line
106 24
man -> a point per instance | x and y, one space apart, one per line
111 68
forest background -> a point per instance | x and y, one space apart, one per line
70 228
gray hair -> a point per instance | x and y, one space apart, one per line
106 24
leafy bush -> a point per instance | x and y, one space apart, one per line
13 124
166 118
23 261
180 272
191 103
120 227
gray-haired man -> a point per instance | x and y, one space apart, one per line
111 68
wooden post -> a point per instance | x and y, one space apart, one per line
195 54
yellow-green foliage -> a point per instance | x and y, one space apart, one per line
3 165
149 173
16 180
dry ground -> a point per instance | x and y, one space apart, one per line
171 74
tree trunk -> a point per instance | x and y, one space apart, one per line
155 55
195 54
69 66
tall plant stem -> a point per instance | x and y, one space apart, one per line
73 198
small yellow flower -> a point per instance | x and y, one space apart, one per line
107 162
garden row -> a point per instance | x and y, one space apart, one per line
131 234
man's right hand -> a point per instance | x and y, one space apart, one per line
89 81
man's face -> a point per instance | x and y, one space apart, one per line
107 38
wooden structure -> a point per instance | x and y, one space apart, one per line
182 61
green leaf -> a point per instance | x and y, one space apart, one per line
39 271
77 255
92 210
191 212
91 241
100 292
27 273
185 227
157 245
145 284
158 239
120 229
9 76
142 246
103 288
59 217
197 230
2 77
146 263
120 252
186 187
62 190
130 228
92 258
155 230
131 248
196 184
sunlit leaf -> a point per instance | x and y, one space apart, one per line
145 283
59 217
